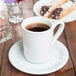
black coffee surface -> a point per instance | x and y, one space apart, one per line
37 27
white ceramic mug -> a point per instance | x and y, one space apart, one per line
37 45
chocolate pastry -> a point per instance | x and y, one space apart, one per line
56 13
44 9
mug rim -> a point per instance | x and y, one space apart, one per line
35 17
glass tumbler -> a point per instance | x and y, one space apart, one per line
15 11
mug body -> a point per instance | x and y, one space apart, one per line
37 44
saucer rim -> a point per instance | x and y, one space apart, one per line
39 73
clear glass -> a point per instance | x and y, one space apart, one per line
15 12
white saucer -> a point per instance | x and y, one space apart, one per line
58 58
37 6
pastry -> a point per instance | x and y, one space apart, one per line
46 10
63 10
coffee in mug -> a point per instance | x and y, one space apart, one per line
37 27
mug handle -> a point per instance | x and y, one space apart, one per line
59 31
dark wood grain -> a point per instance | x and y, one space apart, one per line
16 31
5 62
70 31
1 53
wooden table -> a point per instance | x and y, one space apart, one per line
68 38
